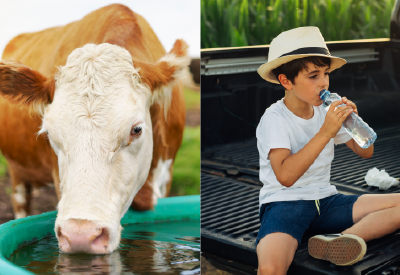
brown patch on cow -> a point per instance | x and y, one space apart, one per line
157 75
180 48
24 85
162 73
144 199
125 26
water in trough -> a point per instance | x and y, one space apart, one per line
152 248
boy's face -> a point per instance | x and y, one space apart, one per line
309 82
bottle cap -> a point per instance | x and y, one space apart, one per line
323 94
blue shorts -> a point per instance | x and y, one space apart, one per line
297 217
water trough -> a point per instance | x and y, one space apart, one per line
17 233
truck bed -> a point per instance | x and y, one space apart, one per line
229 204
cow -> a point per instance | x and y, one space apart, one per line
95 106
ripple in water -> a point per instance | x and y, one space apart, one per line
154 248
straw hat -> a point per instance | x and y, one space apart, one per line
294 44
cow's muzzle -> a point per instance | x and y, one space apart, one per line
85 236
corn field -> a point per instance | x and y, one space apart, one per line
231 23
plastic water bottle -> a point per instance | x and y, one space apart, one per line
354 125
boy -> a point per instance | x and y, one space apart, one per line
295 139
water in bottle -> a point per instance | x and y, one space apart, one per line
354 125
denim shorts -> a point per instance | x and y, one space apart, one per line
298 217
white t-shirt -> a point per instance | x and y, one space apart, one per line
280 128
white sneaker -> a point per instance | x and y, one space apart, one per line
339 249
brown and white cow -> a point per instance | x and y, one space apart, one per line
107 101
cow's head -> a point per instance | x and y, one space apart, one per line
96 114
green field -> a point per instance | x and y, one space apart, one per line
3 165
192 99
230 23
186 179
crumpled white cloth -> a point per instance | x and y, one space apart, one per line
380 179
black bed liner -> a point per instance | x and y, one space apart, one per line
229 204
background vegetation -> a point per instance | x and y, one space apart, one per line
186 178
3 165
230 23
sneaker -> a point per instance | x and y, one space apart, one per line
339 249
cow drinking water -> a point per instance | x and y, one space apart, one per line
111 114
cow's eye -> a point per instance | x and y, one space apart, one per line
136 130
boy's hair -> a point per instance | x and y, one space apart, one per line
292 68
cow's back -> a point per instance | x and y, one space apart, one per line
46 50
114 24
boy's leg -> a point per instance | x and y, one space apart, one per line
282 227
275 253
375 216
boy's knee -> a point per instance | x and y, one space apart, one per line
271 268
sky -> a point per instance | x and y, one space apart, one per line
170 19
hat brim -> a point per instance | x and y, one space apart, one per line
265 70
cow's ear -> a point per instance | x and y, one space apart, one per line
25 86
162 76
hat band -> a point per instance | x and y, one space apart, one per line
308 50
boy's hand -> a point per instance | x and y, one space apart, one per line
351 104
335 118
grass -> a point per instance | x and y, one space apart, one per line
192 99
186 178
3 165
230 23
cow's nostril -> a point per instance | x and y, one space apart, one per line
97 234
59 234
102 239
63 242
62 237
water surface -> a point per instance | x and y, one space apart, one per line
153 248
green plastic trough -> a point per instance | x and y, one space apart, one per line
17 233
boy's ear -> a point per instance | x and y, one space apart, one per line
163 75
286 83
25 86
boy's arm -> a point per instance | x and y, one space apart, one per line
289 168
364 153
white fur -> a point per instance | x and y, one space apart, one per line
36 191
19 198
98 99
161 176
19 195
20 214
163 94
